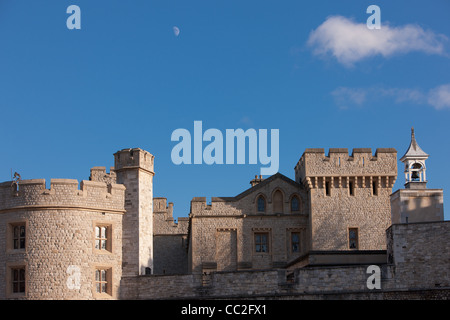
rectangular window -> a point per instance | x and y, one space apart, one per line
351 189
327 188
374 188
353 238
18 236
261 242
103 236
101 283
18 280
295 242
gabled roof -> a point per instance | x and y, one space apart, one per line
266 182
414 151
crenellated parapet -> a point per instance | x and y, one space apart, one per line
62 194
339 167
163 221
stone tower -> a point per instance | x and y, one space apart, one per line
134 169
416 203
349 196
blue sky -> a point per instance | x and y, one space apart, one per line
69 99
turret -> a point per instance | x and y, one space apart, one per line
134 169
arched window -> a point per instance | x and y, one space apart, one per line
261 204
278 202
295 204
415 172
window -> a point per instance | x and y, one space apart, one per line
101 283
295 204
103 237
103 280
351 188
295 242
374 188
278 202
261 204
18 279
327 188
261 242
19 236
353 238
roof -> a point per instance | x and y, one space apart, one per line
414 151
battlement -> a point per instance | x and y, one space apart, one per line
132 159
63 194
163 221
338 162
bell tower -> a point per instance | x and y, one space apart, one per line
416 203
415 169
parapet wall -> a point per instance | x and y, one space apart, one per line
338 162
63 193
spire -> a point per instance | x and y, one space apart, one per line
414 151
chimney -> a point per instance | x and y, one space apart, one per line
257 180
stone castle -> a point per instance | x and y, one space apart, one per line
309 238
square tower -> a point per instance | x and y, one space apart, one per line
134 169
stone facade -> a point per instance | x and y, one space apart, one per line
308 238
59 238
348 192
170 239
225 235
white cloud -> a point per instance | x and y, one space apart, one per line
438 97
350 42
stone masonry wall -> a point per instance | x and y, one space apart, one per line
169 239
60 233
419 270
229 224
348 192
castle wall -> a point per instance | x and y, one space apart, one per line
348 193
223 232
417 269
170 239
417 205
59 238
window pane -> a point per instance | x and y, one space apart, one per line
22 244
294 204
22 274
16 232
258 248
103 287
15 287
97 287
97 244
103 244
15 274
103 232
22 231
22 286
261 204
103 275
16 244
97 275
97 232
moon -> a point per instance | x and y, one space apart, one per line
176 31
